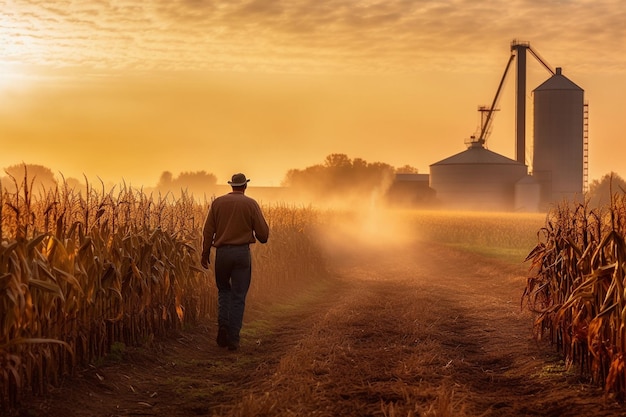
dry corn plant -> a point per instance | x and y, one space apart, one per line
81 270
292 253
576 289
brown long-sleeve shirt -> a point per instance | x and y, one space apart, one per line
234 219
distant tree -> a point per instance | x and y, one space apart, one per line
199 179
75 184
337 160
195 182
37 176
407 169
602 190
340 176
358 163
166 179
312 179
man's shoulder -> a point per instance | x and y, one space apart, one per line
241 196
220 199
234 197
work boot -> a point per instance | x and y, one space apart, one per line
233 342
222 336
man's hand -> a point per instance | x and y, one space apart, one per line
205 261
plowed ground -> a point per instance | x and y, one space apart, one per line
416 330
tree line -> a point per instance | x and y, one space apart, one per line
337 175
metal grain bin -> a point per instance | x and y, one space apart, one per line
476 179
558 139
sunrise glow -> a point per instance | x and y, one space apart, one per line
122 90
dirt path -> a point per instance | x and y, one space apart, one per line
411 331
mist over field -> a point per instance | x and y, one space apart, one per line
385 288
338 180
353 281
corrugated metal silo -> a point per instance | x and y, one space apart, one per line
527 195
558 138
476 179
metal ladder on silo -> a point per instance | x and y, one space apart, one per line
585 147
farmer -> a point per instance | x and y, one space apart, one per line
234 222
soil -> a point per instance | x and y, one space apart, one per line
417 330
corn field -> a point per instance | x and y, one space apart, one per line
81 271
506 234
577 289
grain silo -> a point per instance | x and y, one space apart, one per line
477 179
481 179
559 139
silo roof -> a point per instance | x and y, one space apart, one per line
479 156
558 82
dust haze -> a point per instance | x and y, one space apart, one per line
356 228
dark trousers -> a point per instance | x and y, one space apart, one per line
233 271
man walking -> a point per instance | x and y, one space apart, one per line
234 222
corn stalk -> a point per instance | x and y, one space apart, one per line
576 289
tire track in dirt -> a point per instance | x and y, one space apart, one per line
418 330
421 330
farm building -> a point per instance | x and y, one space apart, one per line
479 179
559 138
410 190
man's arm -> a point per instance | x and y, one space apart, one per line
261 228
208 232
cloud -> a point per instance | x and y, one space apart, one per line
309 35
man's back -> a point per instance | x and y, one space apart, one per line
235 219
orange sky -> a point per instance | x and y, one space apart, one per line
124 90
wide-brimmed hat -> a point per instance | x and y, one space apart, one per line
238 180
